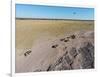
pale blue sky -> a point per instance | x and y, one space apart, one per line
40 11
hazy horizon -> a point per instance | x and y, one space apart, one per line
52 19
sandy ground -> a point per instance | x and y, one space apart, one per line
42 54
41 57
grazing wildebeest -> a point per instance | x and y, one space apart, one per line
68 37
62 39
27 53
72 36
54 46
66 40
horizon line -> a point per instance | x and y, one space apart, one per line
51 19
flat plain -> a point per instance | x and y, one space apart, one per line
29 33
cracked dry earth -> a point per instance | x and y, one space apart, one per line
74 51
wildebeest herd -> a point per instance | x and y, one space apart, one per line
54 46
65 40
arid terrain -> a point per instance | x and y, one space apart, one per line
49 45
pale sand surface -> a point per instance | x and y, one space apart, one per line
41 57
39 38
43 54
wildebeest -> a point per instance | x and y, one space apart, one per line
27 53
54 46
66 40
68 37
72 36
62 39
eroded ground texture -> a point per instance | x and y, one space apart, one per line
73 51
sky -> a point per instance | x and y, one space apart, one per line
53 12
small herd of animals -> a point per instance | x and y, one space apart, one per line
28 52
65 40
